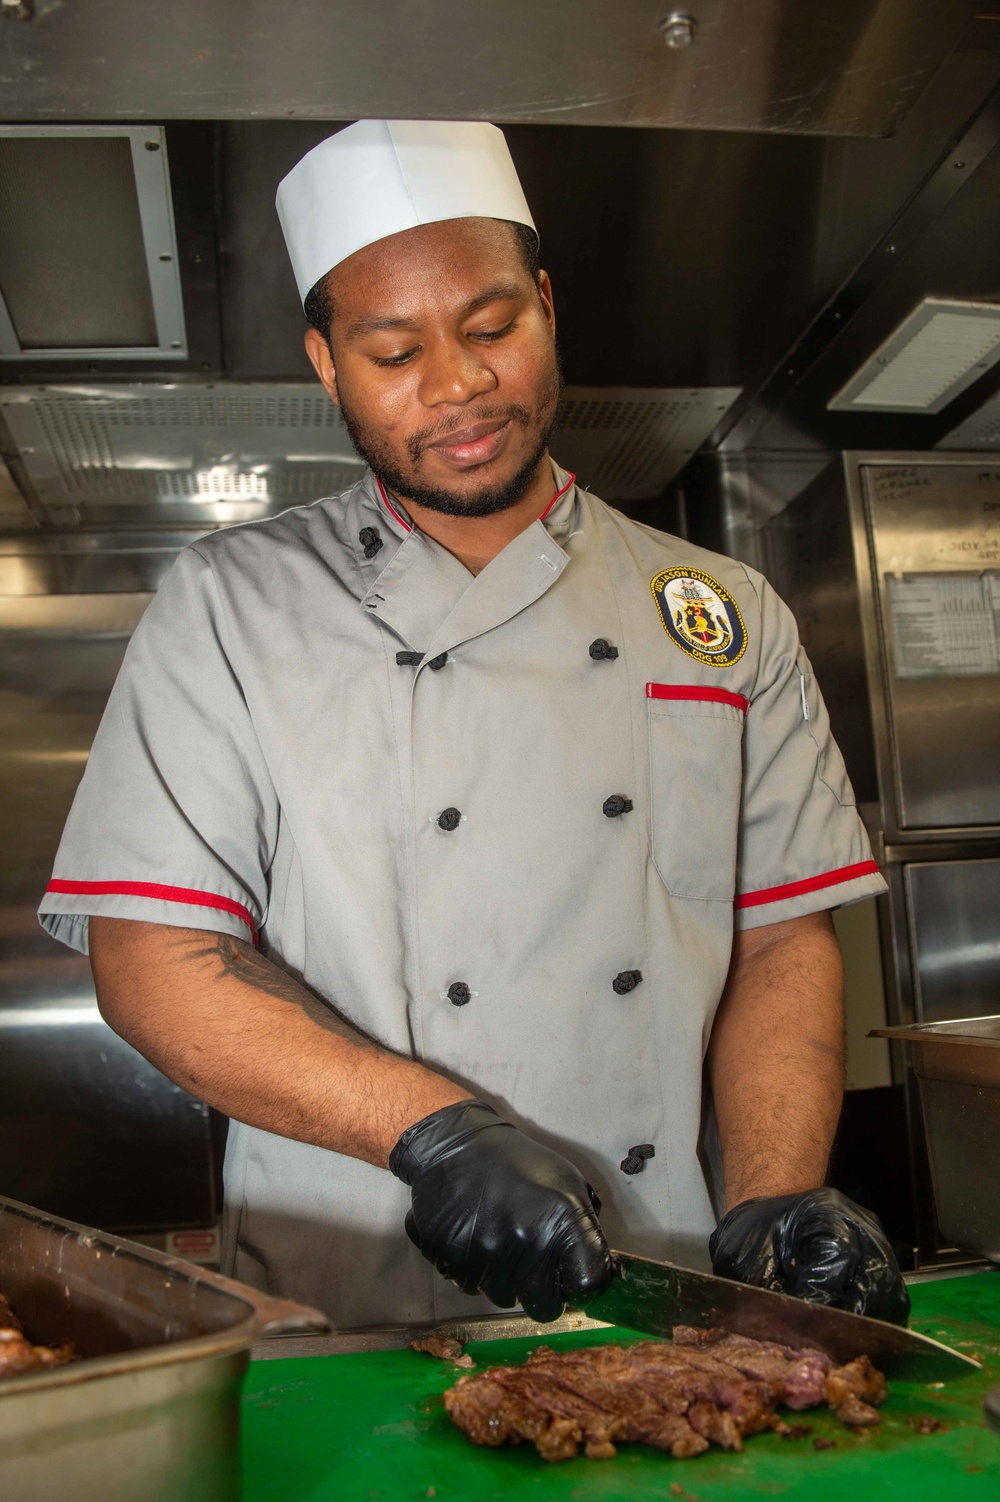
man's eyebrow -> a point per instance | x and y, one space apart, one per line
375 323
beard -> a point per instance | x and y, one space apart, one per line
488 500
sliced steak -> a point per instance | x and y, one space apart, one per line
707 1388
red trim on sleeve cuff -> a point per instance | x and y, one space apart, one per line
693 691
808 884
154 890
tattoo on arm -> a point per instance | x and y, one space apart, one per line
235 959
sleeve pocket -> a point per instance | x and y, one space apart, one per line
695 783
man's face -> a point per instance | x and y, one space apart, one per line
442 359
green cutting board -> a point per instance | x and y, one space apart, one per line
372 1428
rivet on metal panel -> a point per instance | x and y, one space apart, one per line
152 145
678 30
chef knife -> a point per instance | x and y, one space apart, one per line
655 1296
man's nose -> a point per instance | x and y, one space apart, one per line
454 371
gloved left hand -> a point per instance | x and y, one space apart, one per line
817 1245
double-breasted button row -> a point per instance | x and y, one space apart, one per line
414 659
459 993
371 541
637 1158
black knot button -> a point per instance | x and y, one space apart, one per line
602 651
450 819
637 1156
370 540
438 662
626 981
459 994
616 805
409 659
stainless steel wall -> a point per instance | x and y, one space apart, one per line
88 1129
888 561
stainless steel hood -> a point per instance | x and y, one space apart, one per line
208 454
832 67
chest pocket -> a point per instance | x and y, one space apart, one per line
695 781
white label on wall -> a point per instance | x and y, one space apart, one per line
944 625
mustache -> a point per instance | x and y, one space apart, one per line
508 412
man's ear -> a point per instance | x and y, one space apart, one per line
319 354
545 294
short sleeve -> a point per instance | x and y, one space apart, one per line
175 819
803 846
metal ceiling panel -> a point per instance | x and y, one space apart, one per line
213 453
981 430
831 67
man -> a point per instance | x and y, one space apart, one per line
529 809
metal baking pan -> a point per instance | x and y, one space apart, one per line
151 1410
957 1065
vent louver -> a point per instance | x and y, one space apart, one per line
224 452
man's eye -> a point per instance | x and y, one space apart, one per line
393 359
488 335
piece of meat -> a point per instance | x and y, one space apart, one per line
706 1388
851 1391
18 1355
797 1376
444 1348
926 1425
8 1319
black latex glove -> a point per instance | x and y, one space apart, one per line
817 1245
500 1214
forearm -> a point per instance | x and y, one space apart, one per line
776 1058
236 1031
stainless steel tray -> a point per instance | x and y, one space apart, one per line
957 1065
151 1410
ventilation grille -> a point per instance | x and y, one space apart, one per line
163 451
625 443
189 407
937 351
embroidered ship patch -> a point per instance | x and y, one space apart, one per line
700 616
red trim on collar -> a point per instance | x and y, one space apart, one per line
390 507
808 884
694 691
155 890
569 482
392 510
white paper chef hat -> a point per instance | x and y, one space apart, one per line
379 177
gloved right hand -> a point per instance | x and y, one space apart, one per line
498 1213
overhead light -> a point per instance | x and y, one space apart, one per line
937 351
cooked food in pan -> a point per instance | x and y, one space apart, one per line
17 1354
707 1388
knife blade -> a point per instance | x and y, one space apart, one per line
654 1296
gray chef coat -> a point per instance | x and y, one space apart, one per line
266 767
